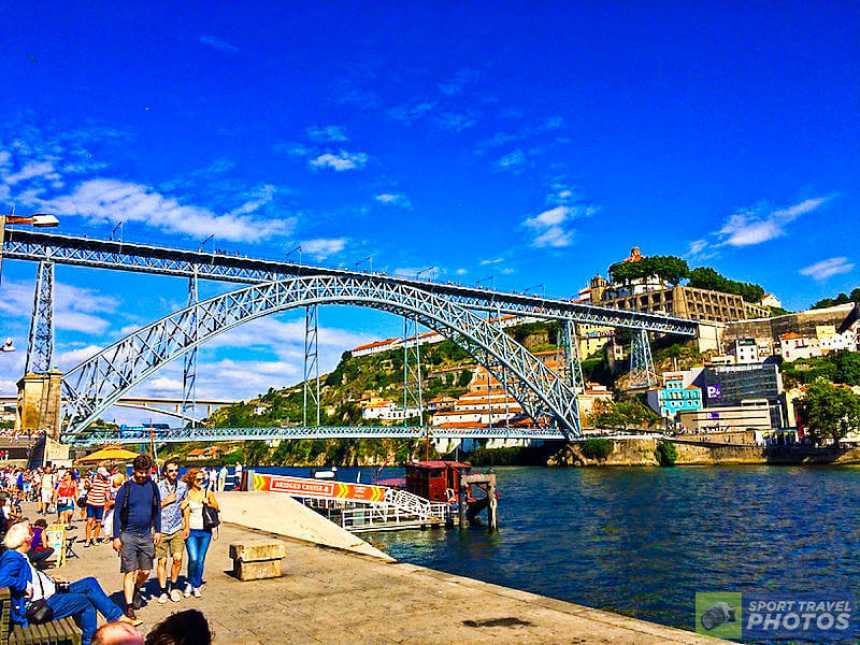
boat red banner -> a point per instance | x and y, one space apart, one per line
318 488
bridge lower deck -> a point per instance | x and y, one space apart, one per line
329 596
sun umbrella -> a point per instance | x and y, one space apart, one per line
109 453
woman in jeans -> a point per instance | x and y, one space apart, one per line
198 540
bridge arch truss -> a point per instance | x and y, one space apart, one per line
98 382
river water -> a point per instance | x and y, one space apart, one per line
642 541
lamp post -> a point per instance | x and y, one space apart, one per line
37 220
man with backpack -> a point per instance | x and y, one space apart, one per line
137 530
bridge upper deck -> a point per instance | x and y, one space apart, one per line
22 244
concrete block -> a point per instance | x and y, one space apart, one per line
257 570
258 550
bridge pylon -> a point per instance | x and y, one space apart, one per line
413 390
642 372
311 385
40 348
189 368
572 359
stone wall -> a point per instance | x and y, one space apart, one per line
640 452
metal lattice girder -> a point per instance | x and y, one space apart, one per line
642 373
40 349
23 244
311 385
413 390
572 361
95 384
189 371
182 435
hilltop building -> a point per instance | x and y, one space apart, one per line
653 295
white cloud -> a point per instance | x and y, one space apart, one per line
284 338
551 217
32 170
827 268
218 43
394 199
554 236
322 248
327 133
116 201
69 359
341 161
74 307
490 261
513 161
461 271
757 225
696 247
408 114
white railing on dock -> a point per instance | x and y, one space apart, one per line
386 515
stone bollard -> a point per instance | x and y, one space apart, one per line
257 560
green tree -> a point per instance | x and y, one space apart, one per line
666 453
465 378
708 278
670 268
829 411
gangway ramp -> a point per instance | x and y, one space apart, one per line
358 507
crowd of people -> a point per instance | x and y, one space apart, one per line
153 520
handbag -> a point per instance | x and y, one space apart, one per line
39 612
211 518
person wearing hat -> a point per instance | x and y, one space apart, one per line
97 496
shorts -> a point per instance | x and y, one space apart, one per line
65 508
95 512
47 496
137 552
172 543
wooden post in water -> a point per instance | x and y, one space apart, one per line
462 504
493 507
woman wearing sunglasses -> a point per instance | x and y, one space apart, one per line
197 543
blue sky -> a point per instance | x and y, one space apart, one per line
531 142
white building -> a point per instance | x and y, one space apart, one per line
385 410
770 300
793 346
376 347
746 351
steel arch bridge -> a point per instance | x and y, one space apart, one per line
97 383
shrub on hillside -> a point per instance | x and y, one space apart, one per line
597 448
666 453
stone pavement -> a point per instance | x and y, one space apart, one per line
329 596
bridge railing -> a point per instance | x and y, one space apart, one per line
183 435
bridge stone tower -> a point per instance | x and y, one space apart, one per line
39 403
39 391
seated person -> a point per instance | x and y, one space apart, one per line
39 552
82 600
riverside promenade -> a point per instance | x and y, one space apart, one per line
334 596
